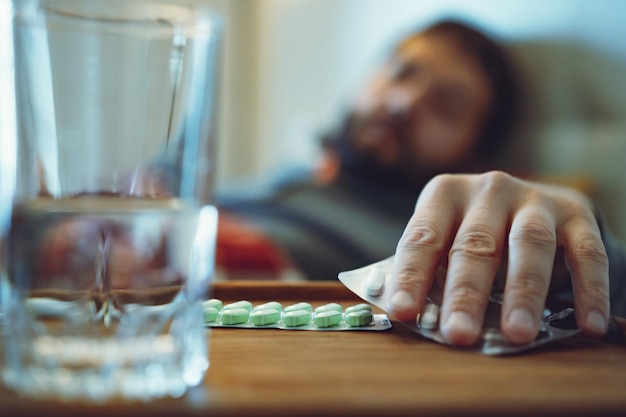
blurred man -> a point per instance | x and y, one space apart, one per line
441 103
436 112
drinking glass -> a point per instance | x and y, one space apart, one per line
110 246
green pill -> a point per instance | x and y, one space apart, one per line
358 307
240 304
210 314
296 318
213 303
358 318
236 315
329 307
299 306
264 317
327 318
272 305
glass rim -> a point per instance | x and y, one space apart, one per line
194 15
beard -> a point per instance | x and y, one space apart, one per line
405 172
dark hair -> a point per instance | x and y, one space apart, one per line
500 73
501 76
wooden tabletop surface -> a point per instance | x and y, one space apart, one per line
362 373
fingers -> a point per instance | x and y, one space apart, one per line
474 260
552 218
420 249
589 267
469 220
532 247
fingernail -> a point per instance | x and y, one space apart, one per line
401 301
460 322
596 322
522 320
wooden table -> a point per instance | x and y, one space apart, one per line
390 373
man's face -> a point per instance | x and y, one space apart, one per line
424 111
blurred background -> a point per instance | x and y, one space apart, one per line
291 66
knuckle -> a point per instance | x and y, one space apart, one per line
443 181
590 250
441 185
478 242
575 207
494 181
534 233
465 294
529 287
595 290
421 235
411 278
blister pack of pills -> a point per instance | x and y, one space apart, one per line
369 283
298 316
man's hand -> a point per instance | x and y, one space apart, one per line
468 224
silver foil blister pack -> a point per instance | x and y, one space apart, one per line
369 283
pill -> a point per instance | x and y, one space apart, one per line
329 307
235 315
358 318
296 318
299 306
375 282
210 314
272 305
429 317
327 318
213 302
358 307
264 317
240 304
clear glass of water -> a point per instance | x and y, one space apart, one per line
110 244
